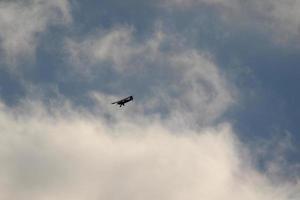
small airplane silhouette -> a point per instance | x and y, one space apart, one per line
123 101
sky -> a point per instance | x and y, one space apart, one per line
215 110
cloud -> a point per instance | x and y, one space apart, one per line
280 19
151 150
59 152
21 22
174 79
115 46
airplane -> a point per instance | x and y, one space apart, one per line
123 101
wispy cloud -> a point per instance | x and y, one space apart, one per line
178 79
21 22
279 19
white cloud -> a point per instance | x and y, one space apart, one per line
72 155
178 79
21 22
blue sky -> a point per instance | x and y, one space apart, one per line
221 72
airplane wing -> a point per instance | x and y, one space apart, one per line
123 101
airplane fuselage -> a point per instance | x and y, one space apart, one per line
122 102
